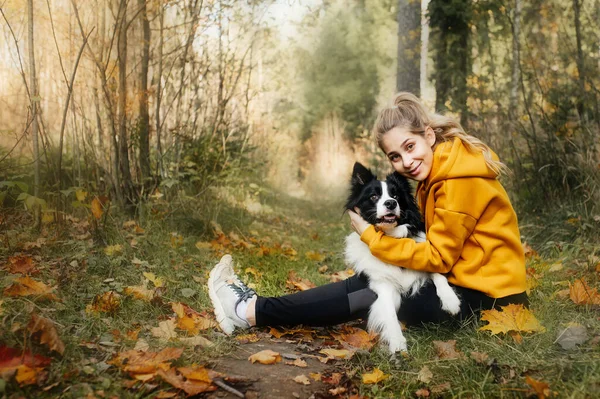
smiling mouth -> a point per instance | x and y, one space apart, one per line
388 219
412 172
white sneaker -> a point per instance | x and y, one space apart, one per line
226 291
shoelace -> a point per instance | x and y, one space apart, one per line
242 291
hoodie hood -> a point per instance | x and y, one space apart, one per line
445 165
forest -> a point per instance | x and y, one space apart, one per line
141 140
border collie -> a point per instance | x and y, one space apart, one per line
391 208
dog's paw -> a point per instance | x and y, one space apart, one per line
451 304
398 346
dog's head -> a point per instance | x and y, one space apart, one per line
384 204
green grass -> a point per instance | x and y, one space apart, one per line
80 269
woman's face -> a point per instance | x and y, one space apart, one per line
410 154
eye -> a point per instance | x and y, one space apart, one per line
410 146
374 198
394 157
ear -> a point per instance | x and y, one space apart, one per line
430 136
361 175
401 181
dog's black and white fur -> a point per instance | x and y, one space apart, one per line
390 207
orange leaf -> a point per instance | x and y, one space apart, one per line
142 364
25 286
374 377
49 335
529 252
108 302
140 292
511 318
541 388
190 386
301 284
357 338
582 294
266 356
21 264
447 349
97 207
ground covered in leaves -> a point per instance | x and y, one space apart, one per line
100 305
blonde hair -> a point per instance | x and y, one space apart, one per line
408 112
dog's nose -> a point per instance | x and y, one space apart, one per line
390 204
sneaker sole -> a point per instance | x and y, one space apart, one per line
226 325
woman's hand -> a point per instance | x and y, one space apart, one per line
358 223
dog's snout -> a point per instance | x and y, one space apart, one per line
390 204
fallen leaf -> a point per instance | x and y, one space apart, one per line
26 286
425 375
541 388
374 377
302 379
337 353
333 379
48 334
529 252
315 376
157 281
571 336
247 338
165 330
315 256
337 391
479 357
447 349
266 356
190 386
112 250
108 302
440 388
582 294
140 365
357 338
25 367
140 292
422 393
511 318
21 264
302 284
343 275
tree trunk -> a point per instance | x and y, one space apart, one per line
514 83
144 117
409 46
122 104
159 155
580 101
34 119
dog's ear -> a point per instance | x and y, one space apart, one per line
361 175
401 181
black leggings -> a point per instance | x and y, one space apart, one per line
350 299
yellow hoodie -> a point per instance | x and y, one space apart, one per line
472 230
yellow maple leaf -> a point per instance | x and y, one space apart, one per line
157 281
511 318
581 293
112 250
266 356
374 377
97 209
140 292
107 302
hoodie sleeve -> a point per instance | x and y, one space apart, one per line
446 237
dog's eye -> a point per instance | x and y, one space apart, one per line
374 198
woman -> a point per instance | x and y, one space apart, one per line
472 234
